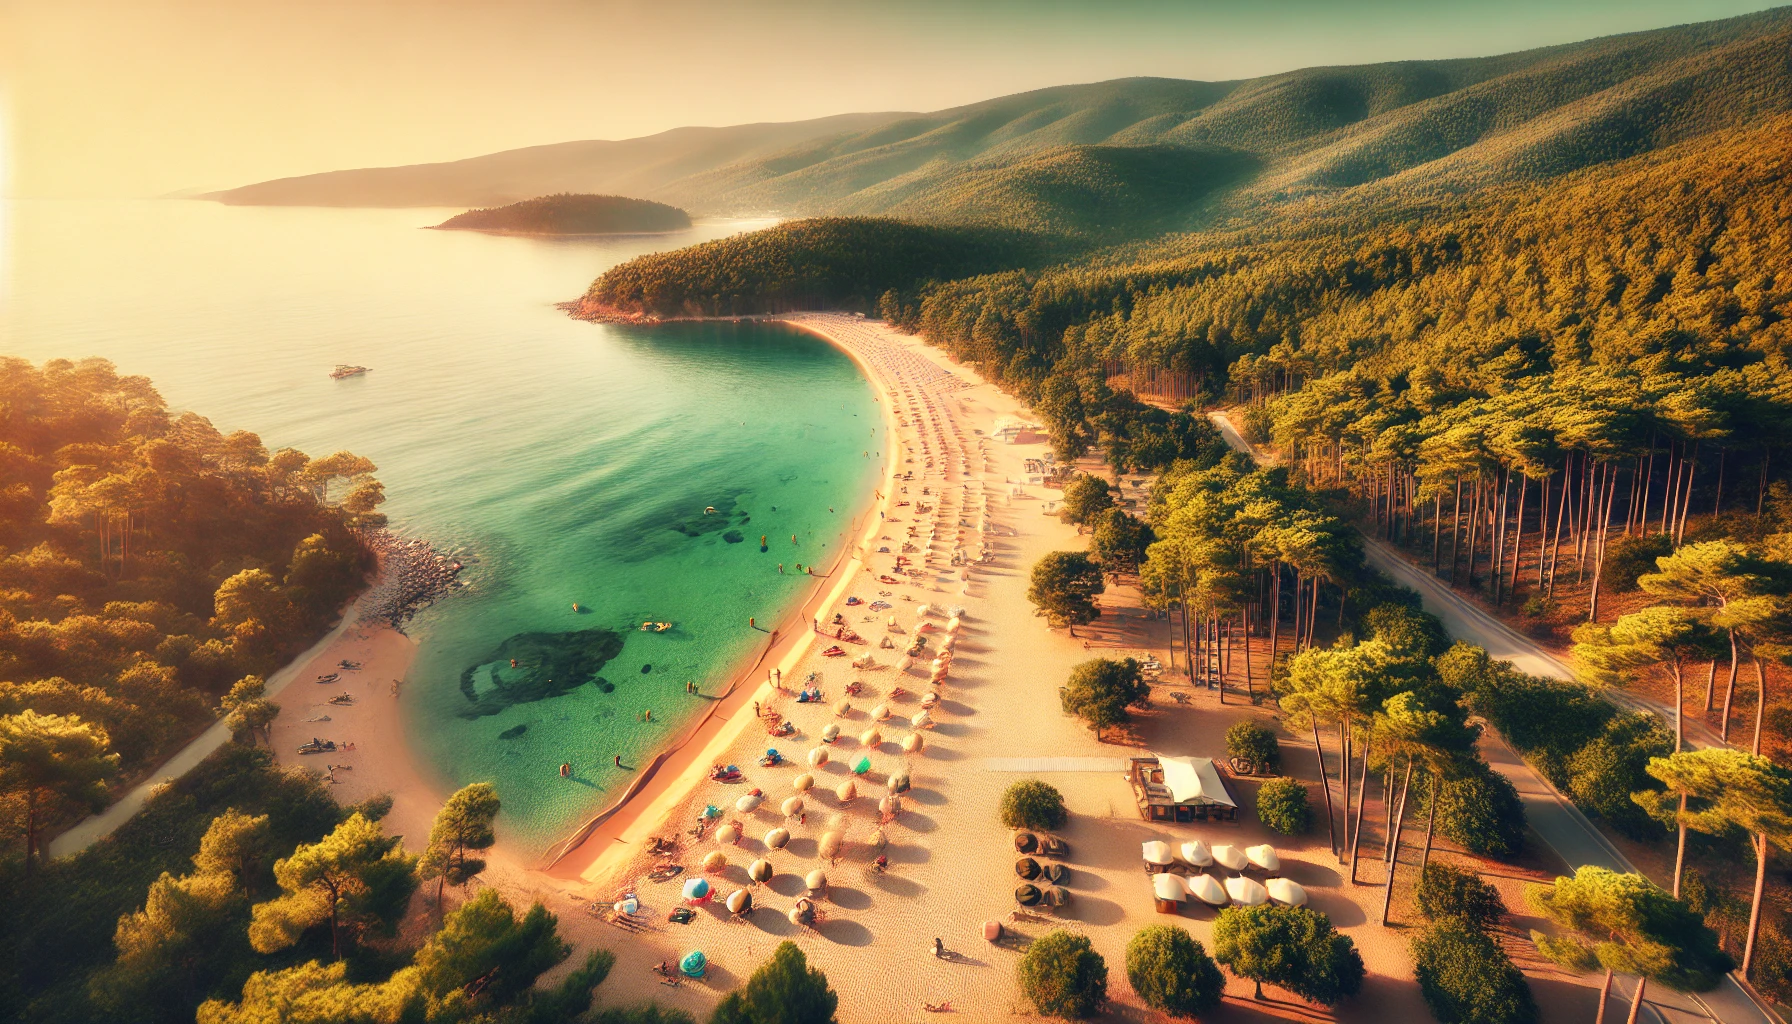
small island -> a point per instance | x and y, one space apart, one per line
573 214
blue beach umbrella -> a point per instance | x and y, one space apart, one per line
694 963
696 889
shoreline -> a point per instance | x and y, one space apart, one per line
613 835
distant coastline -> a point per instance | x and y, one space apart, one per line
573 214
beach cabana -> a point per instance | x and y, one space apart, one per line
1027 894
1263 857
627 905
696 889
1284 890
992 931
870 738
1196 854
1206 889
1180 789
1055 873
1054 847
816 881
1027 868
921 720
1057 896
1169 892
803 783
694 964
761 871
803 913
1157 855
899 782
1230 857
1246 891
891 805
777 838
830 732
829 845
842 709
879 713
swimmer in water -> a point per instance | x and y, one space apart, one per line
566 771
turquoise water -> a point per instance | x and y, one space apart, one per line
573 460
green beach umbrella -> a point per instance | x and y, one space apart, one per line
862 765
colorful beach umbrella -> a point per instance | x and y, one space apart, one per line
862 765
696 889
694 964
777 838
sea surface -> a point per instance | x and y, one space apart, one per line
570 462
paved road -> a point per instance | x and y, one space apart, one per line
1556 820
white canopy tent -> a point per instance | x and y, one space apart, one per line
1194 780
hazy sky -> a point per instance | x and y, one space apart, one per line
142 97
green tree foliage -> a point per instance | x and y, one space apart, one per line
245 710
1120 541
1171 971
237 845
486 955
1626 924
1479 809
1282 805
1603 774
1032 804
1086 497
52 763
1064 587
567 213
1292 947
784 990
1063 976
831 262
1467 978
169 950
1447 893
354 879
1254 742
464 824
122 523
1101 691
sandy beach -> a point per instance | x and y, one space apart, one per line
950 862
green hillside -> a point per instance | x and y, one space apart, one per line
1056 159
567 214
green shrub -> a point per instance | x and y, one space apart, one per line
784 990
1035 805
1172 972
1086 496
1603 773
1407 629
1100 691
1063 976
1282 805
1254 742
1466 978
1449 893
1293 947
1626 558
1480 809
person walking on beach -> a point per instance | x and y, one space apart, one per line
618 760
756 710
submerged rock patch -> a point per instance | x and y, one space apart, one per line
546 665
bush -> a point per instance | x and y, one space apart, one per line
1480 809
1282 805
1447 893
784 990
1626 558
1254 742
1064 587
1466 978
1034 805
1547 720
1086 496
1293 947
1172 972
1063 976
1101 690
1407 629
1603 774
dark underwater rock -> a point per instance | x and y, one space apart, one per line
547 665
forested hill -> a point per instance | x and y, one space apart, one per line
567 214
1073 157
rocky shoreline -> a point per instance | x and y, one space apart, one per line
581 310
413 575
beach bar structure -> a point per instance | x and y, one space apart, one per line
1181 789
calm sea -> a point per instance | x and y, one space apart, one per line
573 461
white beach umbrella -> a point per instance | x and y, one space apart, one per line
792 806
747 804
847 791
881 712
870 737
803 783
739 901
829 845
1231 857
1204 888
1195 852
760 871
1264 857
817 879
1157 853
1247 891
818 757
715 860
1284 890
727 835
921 720
1168 887
777 838
842 709
912 743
